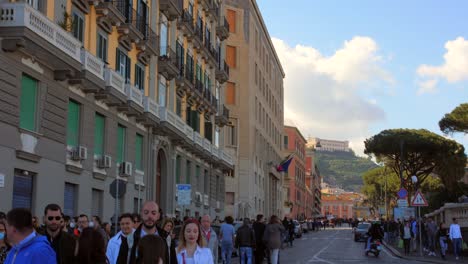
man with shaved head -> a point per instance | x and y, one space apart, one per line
210 236
149 218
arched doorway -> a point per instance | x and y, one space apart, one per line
160 170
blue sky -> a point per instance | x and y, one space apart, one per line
361 64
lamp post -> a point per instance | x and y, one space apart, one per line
414 180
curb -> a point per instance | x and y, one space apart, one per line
421 259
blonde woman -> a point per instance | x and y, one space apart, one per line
191 243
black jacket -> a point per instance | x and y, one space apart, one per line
259 229
64 247
245 237
136 239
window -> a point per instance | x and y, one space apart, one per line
218 188
121 143
179 106
28 103
163 37
123 64
231 18
230 198
231 135
73 124
230 93
22 190
99 126
139 152
78 25
286 142
188 172
206 181
162 92
231 56
139 77
69 200
102 47
178 164
96 204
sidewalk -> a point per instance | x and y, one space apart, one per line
399 252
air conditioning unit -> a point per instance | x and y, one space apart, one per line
218 205
79 153
126 168
104 162
198 197
206 200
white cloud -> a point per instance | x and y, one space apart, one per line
323 94
428 86
454 69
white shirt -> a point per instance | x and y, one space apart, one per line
113 247
455 231
200 256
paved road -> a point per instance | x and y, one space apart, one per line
332 246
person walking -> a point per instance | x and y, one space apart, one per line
62 243
91 247
118 248
272 238
431 232
151 250
191 249
227 239
259 228
168 226
442 235
28 247
406 234
291 232
4 245
245 242
456 238
149 216
210 236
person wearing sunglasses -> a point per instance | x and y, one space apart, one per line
63 243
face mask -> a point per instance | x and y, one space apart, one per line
91 224
72 224
2 236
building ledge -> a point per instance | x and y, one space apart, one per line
73 169
99 176
28 156
139 187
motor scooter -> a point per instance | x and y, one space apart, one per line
375 247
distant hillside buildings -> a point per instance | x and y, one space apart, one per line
321 144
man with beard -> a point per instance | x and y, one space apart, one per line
63 243
149 216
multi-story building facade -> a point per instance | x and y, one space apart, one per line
340 206
94 91
329 145
254 94
313 182
298 194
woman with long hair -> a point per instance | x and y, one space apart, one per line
151 250
191 245
168 226
272 237
91 247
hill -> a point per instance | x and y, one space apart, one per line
343 169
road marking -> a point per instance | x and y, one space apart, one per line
389 254
316 257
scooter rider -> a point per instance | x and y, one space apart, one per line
375 232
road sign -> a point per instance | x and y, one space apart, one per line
122 189
419 200
184 193
402 203
402 193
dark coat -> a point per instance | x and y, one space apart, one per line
245 237
65 250
136 239
259 229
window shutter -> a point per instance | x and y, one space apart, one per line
120 144
22 191
128 70
69 199
73 124
28 103
99 126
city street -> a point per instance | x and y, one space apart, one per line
332 246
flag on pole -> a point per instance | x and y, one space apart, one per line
284 165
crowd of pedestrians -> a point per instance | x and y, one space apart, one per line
143 238
408 234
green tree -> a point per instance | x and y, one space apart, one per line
456 121
377 182
418 152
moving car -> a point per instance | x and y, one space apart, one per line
360 233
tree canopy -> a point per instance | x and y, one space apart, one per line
455 121
418 152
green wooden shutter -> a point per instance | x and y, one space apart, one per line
139 152
73 124
178 169
117 61
120 143
188 173
28 103
99 125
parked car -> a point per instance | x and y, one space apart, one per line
360 233
297 228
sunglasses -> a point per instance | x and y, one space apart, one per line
57 218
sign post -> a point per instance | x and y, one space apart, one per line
184 195
419 200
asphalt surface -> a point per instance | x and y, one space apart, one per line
332 246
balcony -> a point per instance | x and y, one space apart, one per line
184 81
149 46
207 146
168 63
185 24
227 159
134 105
110 13
91 77
134 28
222 116
26 30
222 30
150 115
171 8
172 125
198 139
114 93
209 53
213 11
197 41
222 72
